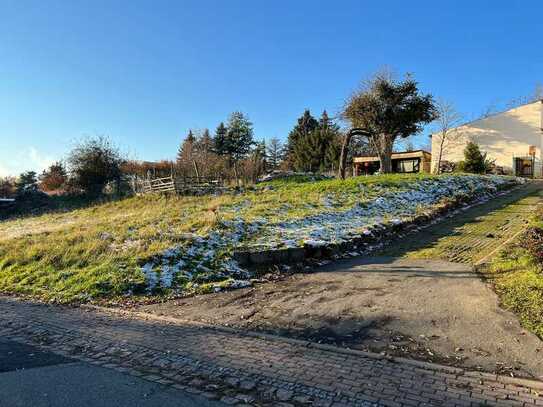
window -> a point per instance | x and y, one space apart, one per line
411 165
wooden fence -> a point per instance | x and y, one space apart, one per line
180 185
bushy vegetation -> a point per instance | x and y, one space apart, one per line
98 251
230 154
8 187
27 182
313 145
475 161
54 178
93 163
517 275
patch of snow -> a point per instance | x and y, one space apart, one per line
200 259
151 278
333 227
315 243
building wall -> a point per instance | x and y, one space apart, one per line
502 136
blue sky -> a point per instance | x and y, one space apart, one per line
144 72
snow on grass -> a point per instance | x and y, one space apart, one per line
199 262
332 227
205 263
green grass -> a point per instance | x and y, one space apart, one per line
296 197
518 280
97 251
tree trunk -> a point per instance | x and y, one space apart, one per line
384 151
196 170
236 173
442 142
343 156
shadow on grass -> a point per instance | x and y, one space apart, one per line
30 207
429 237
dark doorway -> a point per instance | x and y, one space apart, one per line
524 167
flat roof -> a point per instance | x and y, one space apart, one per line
395 156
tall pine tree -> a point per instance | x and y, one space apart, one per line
331 133
295 150
186 147
313 144
220 145
275 153
234 141
239 136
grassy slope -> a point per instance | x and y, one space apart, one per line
98 251
518 280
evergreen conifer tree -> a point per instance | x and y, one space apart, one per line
474 160
186 147
310 142
239 136
297 144
220 142
275 153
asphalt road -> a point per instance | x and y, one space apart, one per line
31 377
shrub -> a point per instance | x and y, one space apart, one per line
7 187
533 242
475 161
27 182
447 167
94 163
53 178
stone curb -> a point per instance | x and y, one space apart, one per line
267 258
537 384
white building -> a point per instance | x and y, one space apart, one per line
514 139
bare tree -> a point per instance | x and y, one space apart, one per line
538 92
496 107
447 122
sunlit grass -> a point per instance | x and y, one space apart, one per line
518 280
97 251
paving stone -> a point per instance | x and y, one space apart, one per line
244 364
247 385
209 395
232 381
283 395
302 399
245 398
196 382
229 400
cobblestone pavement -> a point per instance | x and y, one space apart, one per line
251 369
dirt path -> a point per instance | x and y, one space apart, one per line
409 301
